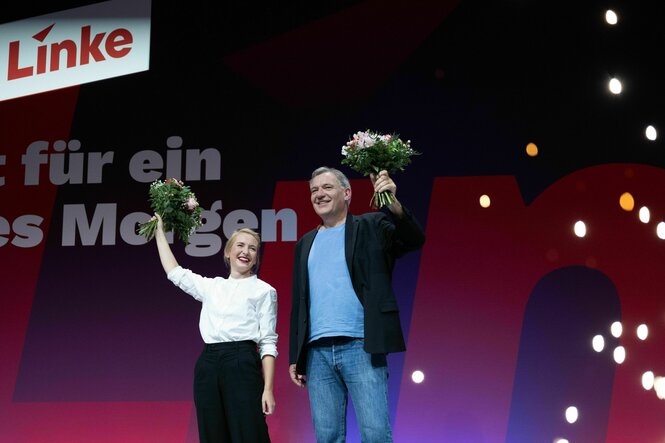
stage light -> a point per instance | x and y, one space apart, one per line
616 329
648 380
598 343
417 377
615 86
580 229
651 133
532 150
571 414
642 331
660 230
611 17
659 386
485 201
560 440
619 354
626 201
645 214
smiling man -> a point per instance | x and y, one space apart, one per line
344 315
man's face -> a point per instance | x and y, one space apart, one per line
328 197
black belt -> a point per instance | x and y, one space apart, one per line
230 345
331 341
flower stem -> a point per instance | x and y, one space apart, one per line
380 199
148 229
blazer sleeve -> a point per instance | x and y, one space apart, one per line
295 306
403 234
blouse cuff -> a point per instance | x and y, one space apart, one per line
268 349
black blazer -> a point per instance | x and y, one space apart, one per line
372 243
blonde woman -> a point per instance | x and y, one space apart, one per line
237 324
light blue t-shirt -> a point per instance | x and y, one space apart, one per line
334 306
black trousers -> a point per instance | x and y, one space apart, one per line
228 385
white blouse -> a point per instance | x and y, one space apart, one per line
233 309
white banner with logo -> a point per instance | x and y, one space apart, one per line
73 47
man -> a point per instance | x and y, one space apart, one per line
344 316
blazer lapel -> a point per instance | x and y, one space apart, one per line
350 233
307 242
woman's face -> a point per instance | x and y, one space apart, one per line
243 254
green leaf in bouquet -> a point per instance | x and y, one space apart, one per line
178 207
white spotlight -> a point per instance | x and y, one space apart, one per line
615 86
645 214
417 377
619 354
648 380
571 414
616 329
580 228
660 230
642 331
659 386
611 17
598 343
651 133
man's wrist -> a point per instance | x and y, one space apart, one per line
396 208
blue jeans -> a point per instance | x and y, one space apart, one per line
339 367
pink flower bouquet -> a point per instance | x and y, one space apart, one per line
369 152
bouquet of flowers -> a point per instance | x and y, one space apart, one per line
178 207
369 152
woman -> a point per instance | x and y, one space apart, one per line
237 315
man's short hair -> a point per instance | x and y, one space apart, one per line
341 178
